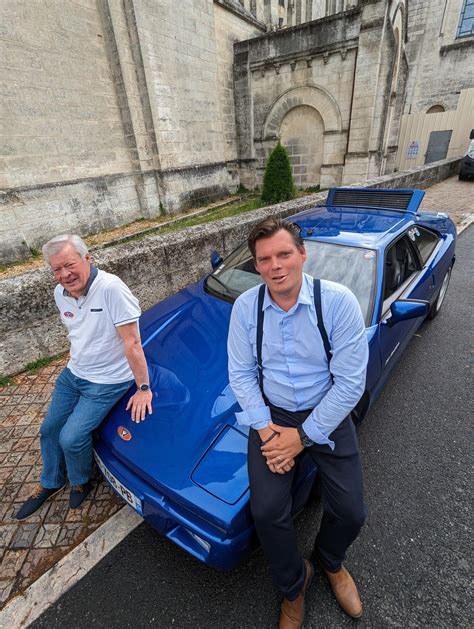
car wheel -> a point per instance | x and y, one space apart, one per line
436 307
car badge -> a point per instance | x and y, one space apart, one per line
68 314
124 434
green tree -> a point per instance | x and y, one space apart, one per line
278 182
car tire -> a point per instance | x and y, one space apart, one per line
436 307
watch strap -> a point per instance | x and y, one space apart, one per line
306 442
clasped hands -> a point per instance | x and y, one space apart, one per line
280 451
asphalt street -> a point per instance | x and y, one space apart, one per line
412 558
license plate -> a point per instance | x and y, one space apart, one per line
122 491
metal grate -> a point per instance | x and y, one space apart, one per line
387 199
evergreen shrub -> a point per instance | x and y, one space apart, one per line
278 182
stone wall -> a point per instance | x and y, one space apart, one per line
440 62
60 105
115 111
229 28
154 268
31 215
64 124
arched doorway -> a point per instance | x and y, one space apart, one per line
301 132
436 109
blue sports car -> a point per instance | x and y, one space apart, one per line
184 469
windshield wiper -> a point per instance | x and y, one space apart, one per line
227 291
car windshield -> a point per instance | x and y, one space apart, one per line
353 267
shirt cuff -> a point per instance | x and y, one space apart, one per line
126 321
316 435
257 418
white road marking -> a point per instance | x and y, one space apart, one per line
28 606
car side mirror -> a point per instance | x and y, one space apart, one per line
404 309
216 260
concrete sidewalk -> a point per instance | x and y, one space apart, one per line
28 549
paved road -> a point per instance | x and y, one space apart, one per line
412 558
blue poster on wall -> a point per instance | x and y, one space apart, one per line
413 150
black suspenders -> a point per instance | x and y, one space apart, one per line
260 315
319 315
321 328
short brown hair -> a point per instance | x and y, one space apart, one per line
269 227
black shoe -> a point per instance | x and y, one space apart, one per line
79 494
35 501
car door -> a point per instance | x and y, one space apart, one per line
403 278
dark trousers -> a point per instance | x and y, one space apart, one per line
344 510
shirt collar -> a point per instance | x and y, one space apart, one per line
305 295
93 274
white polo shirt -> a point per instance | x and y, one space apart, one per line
97 351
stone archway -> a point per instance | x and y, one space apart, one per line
307 120
313 96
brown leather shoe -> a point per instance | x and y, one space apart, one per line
345 591
292 612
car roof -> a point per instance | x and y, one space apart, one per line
360 228
361 217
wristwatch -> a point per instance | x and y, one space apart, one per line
305 440
143 387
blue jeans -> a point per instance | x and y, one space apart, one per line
77 408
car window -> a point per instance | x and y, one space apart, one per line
424 240
399 266
354 267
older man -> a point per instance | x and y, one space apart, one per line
297 364
101 317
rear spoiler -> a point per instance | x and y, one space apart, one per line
376 198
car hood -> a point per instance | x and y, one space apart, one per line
184 339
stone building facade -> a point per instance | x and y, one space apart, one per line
114 110
363 64
331 90
440 54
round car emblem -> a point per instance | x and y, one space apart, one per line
124 434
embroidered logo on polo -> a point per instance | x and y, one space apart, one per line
124 434
96 310
68 314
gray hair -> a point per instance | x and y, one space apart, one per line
57 244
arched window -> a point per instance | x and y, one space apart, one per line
466 20
436 109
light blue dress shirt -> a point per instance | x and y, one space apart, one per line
295 370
